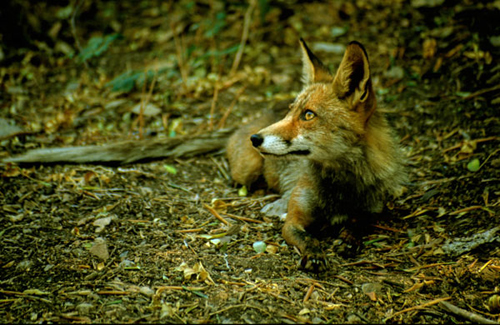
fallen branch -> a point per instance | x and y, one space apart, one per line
126 152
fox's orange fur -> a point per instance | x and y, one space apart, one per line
332 156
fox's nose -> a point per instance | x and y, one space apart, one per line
257 140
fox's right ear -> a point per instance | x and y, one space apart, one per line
313 69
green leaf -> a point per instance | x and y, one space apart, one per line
64 12
133 267
474 165
96 46
217 25
218 53
114 302
243 191
170 169
373 241
127 80
124 82
198 293
264 8
462 93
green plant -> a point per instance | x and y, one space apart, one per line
96 46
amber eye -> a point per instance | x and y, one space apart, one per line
308 115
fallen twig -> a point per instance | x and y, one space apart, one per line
309 293
482 91
281 297
179 47
474 207
243 218
244 306
484 266
184 231
145 99
113 292
214 103
230 108
341 278
475 318
427 304
163 288
460 145
416 213
486 160
73 28
418 268
388 228
319 283
222 170
244 36
216 214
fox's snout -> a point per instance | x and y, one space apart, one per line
275 145
257 140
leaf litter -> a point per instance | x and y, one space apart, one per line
89 243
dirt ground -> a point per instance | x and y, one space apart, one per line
172 240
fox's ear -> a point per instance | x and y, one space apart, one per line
313 69
352 81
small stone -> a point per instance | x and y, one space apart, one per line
259 246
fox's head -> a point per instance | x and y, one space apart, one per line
331 115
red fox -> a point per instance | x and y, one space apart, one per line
331 157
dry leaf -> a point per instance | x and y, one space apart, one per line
429 48
100 249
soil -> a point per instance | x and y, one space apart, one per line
173 240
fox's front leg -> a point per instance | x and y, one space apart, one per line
295 229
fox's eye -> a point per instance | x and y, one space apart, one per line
308 115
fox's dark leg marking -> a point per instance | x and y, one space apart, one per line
312 258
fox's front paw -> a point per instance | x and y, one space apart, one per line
313 259
313 262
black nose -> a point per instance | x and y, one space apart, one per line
257 140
